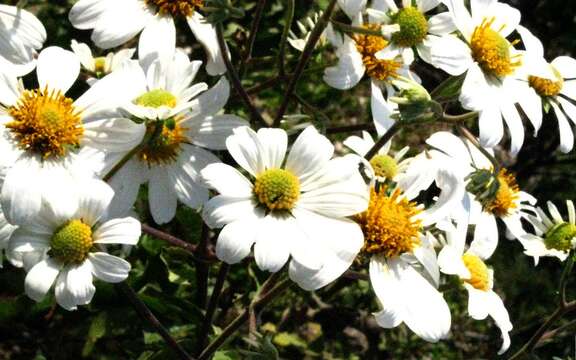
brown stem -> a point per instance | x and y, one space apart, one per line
304 58
255 115
213 304
202 268
147 315
252 37
173 240
383 140
288 18
349 128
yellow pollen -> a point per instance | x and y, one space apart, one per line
505 200
413 27
546 87
156 98
100 65
492 51
184 8
384 166
164 142
72 242
277 189
479 277
388 224
368 46
45 123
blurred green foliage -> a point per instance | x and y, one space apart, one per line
335 322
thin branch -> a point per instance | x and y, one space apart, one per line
255 115
252 37
147 315
468 135
259 303
349 128
304 58
351 29
383 140
315 111
213 304
202 268
288 18
173 240
459 118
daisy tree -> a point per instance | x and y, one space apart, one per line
283 179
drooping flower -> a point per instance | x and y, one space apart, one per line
553 236
492 66
403 269
100 66
44 132
477 278
65 243
179 126
115 22
22 35
290 207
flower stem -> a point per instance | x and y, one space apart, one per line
213 304
288 18
147 315
463 130
383 140
174 241
255 115
259 302
315 35
252 37
202 268
351 29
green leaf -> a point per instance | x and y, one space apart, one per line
285 339
449 88
96 331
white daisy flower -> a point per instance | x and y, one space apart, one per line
357 57
179 124
409 28
492 65
293 206
403 269
553 236
558 91
22 35
6 230
509 204
44 132
478 279
100 66
115 22
65 244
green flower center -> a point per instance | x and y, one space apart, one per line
413 27
384 166
72 242
277 189
100 65
560 237
156 98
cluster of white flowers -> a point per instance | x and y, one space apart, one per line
71 169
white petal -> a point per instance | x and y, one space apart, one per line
85 13
271 249
349 70
381 110
311 152
485 236
109 268
94 199
236 239
441 24
226 180
491 127
211 131
21 195
246 149
515 126
450 262
222 210
477 303
78 285
450 54
40 279
211 101
274 143
57 69
118 231
566 134
162 197
186 176
114 135
157 41
205 33
566 66
114 28
352 7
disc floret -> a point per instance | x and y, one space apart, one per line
413 27
368 46
183 8
492 51
71 242
560 237
277 189
479 276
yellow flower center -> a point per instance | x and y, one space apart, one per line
384 166
492 51
176 7
71 243
157 98
547 87
100 65
413 27
388 224
368 46
164 142
277 189
505 200
560 237
479 277
46 123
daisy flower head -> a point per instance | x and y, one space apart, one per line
100 66
180 125
557 91
65 245
289 206
509 203
44 132
477 278
23 34
410 28
487 54
403 269
553 235
115 22
357 56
